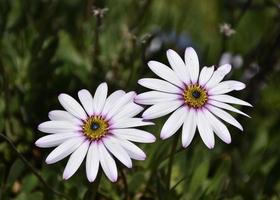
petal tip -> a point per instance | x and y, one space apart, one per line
114 179
48 161
66 176
163 136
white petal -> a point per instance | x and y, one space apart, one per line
61 115
134 135
130 122
226 86
111 100
65 149
226 107
75 160
218 76
72 106
86 100
154 97
92 161
219 128
189 128
192 63
160 85
224 116
118 105
118 151
58 127
133 151
178 66
174 122
229 99
161 109
107 162
128 111
99 98
54 139
205 75
205 130
165 73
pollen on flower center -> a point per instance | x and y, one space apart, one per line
195 96
95 127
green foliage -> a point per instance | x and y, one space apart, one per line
49 46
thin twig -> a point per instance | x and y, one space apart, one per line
176 184
34 171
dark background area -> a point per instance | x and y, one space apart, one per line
52 46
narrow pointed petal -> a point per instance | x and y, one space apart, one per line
226 107
54 139
99 98
64 150
134 135
159 85
92 161
165 73
86 100
226 86
154 97
129 122
62 115
107 163
229 99
192 63
128 111
224 116
58 127
120 104
205 75
111 100
205 130
219 128
118 151
189 128
178 66
75 160
218 76
72 106
133 151
174 122
161 109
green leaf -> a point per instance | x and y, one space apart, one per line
15 172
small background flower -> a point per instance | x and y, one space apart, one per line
53 46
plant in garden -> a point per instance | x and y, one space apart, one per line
103 127
195 97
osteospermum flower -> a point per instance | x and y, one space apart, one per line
99 130
195 97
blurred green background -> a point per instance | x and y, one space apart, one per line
52 46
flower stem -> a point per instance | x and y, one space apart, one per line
125 184
93 188
23 159
170 163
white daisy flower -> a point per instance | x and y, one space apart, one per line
100 129
195 97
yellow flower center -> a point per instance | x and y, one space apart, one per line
95 127
195 96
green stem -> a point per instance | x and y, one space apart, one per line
93 188
124 183
170 164
23 159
